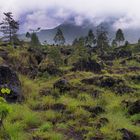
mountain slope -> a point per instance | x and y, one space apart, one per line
72 31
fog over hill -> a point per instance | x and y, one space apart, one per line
72 31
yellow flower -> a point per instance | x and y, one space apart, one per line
3 90
7 90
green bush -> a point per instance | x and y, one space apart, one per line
47 126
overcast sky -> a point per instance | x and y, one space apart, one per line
50 13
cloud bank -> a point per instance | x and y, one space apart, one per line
51 13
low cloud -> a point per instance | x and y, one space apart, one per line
51 13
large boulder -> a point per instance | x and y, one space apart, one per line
3 53
48 66
66 51
134 108
87 65
103 81
108 57
116 84
128 135
10 85
94 110
37 53
63 85
123 54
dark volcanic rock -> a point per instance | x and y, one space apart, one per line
3 53
97 138
66 51
134 108
134 68
121 89
94 110
118 53
128 135
108 57
87 65
101 122
51 69
135 78
103 81
9 80
116 84
58 107
37 53
63 85
30 71
123 54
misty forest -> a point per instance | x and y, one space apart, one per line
70 82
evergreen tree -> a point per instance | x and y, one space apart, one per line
59 37
139 41
9 28
28 35
81 41
75 42
119 36
114 43
90 39
34 40
126 43
55 55
102 38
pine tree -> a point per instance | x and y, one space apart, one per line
59 37
75 42
90 39
28 35
34 40
114 43
119 36
139 41
9 28
102 38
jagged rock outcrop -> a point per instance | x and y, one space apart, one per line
10 85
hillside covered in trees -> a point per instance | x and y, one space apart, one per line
89 90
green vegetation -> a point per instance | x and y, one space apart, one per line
73 92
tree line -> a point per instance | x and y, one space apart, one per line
9 27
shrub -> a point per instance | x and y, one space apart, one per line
47 126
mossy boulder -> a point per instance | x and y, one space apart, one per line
10 85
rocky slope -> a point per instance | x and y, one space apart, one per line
71 94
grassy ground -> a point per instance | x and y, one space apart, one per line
36 119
